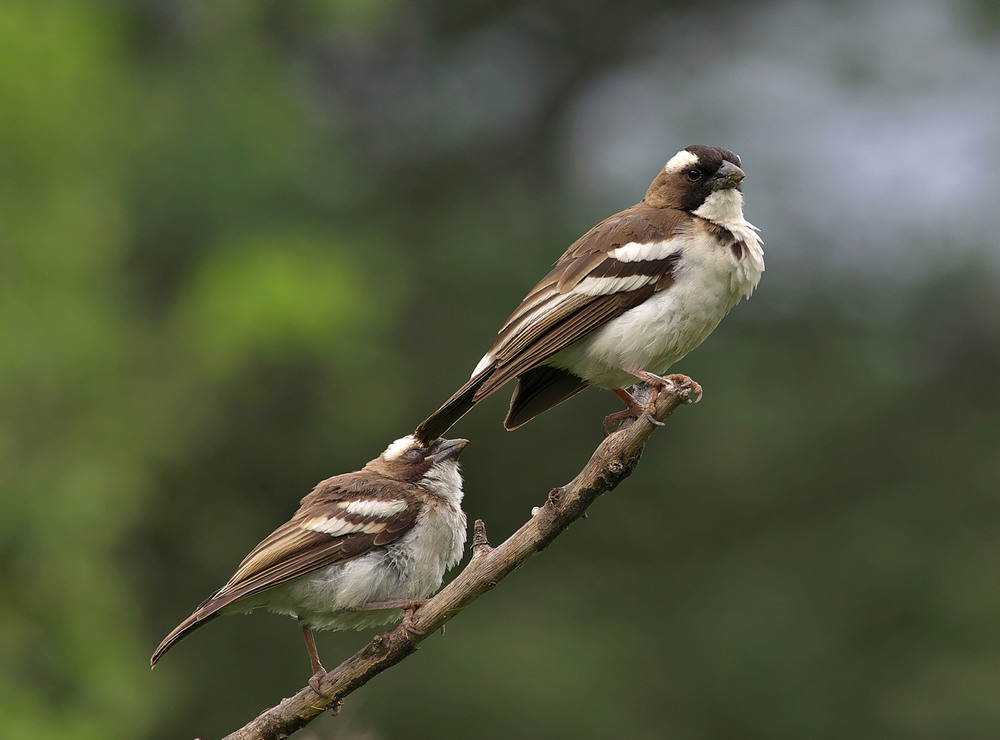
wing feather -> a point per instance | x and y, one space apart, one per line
586 288
326 530
591 313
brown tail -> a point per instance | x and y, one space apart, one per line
452 410
189 625
538 390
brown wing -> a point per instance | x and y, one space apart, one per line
563 308
570 320
324 531
344 517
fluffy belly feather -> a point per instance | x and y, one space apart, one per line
655 334
411 568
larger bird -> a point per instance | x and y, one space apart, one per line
361 546
628 299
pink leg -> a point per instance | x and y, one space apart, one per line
409 605
656 384
318 670
635 410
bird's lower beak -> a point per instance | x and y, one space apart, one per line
448 449
728 176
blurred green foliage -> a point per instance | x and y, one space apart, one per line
243 246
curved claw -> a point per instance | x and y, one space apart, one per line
314 681
408 623
653 420
682 384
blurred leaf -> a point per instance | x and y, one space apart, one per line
275 295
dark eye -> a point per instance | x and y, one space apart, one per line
693 175
415 454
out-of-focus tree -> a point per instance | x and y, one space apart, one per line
244 245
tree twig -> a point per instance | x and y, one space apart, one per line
613 461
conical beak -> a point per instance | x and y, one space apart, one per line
728 176
448 449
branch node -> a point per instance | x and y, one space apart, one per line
379 645
480 543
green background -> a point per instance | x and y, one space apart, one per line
245 245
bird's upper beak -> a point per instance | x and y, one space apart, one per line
447 449
728 176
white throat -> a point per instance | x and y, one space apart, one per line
723 207
445 480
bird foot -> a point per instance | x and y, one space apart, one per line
635 410
611 420
409 607
408 618
676 383
315 679
683 386
408 621
314 683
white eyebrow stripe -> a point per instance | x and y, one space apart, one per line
373 507
609 285
681 161
398 447
338 527
644 252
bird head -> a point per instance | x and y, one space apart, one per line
695 177
409 461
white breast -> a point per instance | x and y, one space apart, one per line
412 567
709 280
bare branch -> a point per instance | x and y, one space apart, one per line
612 462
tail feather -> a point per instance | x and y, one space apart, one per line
181 631
538 390
207 610
452 410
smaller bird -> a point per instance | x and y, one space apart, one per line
628 299
361 547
